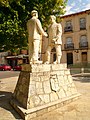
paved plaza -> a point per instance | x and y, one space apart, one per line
77 110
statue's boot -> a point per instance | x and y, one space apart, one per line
47 62
37 62
57 60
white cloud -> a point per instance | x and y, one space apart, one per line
87 7
77 9
73 7
68 10
83 3
73 4
79 0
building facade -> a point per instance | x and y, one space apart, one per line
14 59
17 59
76 38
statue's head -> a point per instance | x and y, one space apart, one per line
34 13
52 18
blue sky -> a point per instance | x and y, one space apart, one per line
74 6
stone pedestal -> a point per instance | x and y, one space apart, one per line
42 88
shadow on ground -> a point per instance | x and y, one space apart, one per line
5 103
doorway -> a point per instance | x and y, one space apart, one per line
84 57
69 58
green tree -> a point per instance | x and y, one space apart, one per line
14 15
12 31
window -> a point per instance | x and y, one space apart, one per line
82 23
68 26
68 23
83 41
83 38
69 44
68 40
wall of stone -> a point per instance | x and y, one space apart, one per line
40 85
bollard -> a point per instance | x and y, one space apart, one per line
82 70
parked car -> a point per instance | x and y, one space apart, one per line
17 68
5 67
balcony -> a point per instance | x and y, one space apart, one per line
82 28
83 45
69 46
68 29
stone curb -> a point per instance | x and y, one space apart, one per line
37 111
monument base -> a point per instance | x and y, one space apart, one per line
43 88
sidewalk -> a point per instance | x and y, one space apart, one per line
77 110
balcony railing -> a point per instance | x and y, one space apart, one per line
83 45
68 29
69 46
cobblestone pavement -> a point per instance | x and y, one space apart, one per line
77 110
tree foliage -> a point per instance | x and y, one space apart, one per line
14 15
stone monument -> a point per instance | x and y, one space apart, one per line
35 31
55 33
42 88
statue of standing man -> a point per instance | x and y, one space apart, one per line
35 31
55 33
